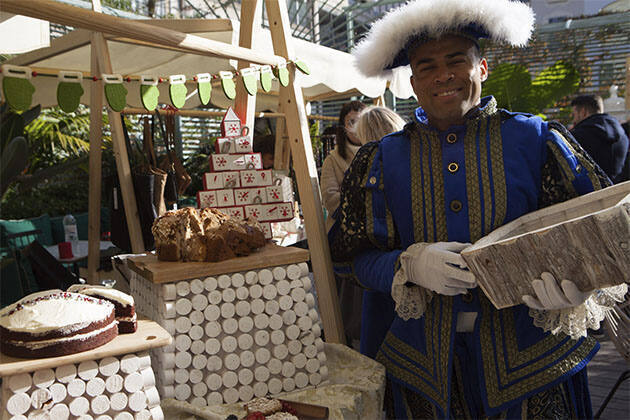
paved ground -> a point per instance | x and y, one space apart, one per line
603 372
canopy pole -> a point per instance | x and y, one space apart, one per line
95 161
292 103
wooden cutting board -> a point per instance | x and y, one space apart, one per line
148 335
152 269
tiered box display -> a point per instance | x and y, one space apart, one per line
238 185
244 327
113 381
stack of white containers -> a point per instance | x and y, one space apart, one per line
236 335
112 388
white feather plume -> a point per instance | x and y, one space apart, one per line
506 21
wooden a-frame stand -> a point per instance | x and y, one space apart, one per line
294 126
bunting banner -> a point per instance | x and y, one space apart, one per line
17 87
227 84
177 90
149 92
115 92
204 87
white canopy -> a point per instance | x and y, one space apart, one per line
332 71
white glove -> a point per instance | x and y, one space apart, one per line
439 267
550 296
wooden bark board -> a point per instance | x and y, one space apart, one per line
585 240
152 269
149 335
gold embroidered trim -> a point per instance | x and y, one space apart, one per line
416 184
498 386
498 174
568 176
472 181
485 176
441 233
584 162
426 188
369 215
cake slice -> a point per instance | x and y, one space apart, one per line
125 308
50 324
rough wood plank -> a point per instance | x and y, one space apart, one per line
148 336
292 104
585 240
152 269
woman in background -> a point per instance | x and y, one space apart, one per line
339 159
375 122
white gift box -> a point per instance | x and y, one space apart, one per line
224 145
261 178
206 199
225 198
269 212
219 180
253 211
266 227
236 212
254 195
236 162
231 179
285 211
274 194
243 144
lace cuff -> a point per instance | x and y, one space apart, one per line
411 300
575 321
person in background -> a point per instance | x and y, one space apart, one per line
265 145
375 122
339 159
600 134
411 202
333 169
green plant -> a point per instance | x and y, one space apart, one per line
513 87
14 150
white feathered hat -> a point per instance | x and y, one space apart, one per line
385 46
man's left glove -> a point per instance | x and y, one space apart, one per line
551 296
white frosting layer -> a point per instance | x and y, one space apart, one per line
106 292
45 343
127 318
63 311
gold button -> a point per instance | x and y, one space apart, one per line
451 138
453 167
456 205
467 298
372 180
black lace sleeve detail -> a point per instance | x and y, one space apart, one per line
555 188
351 236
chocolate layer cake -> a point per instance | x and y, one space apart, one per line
53 324
124 304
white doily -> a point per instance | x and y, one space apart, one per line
575 321
411 300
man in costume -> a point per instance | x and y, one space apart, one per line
411 202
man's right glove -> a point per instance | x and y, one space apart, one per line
439 267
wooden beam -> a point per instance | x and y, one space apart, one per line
197 113
191 26
97 22
120 153
292 104
244 104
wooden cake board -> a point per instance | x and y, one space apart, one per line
156 271
149 335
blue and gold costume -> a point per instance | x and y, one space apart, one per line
425 185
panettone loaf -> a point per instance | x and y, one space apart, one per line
204 235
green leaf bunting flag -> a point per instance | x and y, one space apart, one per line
115 92
16 87
149 92
177 90
266 75
69 90
227 83
301 66
204 87
249 80
282 73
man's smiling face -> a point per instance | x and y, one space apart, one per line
446 77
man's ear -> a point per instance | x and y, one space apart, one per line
411 80
483 69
